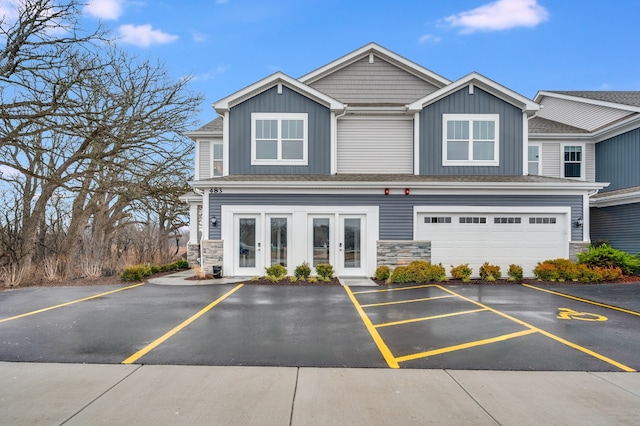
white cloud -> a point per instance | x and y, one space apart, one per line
430 38
199 37
9 10
7 172
104 9
500 15
143 35
210 75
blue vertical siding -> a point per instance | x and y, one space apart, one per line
617 225
461 102
319 128
617 161
396 211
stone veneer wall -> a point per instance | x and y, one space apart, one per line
212 254
193 254
395 253
576 247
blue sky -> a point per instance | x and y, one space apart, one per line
526 45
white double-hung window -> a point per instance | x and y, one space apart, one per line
470 140
279 139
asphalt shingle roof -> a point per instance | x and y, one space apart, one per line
631 98
543 125
214 126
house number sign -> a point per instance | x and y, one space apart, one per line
215 191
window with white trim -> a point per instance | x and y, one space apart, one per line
534 160
470 140
218 159
279 139
572 161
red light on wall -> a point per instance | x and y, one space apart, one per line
406 191
386 191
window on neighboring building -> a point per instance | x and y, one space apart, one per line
470 140
572 161
534 159
218 160
279 138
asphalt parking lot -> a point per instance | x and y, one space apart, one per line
515 327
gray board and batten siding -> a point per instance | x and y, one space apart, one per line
618 226
365 83
396 211
617 161
461 102
319 132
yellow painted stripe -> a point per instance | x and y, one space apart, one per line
465 346
95 296
133 358
408 321
400 302
546 333
382 346
395 289
580 299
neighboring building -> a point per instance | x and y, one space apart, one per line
373 159
594 136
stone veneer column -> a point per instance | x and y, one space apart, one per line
212 255
193 254
576 247
395 253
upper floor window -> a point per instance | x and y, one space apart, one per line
279 138
218 160
534 159
470 140
572 161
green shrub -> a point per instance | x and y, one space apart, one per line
303 271
588 275
383 273
490 272
324 270
135 273
605 256
276 271
400 275
515 272
312 280
182 264
461 272
293 279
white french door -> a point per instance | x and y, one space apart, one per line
352 253
321 240
278 240
248 258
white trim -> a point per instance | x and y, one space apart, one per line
525 145
205 217
584 100
193 223
583 162
280 117
470 118
416 143
334 143
225 143
586 222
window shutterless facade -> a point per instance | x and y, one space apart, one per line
279 139
470 140
572 161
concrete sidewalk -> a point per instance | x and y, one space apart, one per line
82 394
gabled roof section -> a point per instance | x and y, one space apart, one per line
543 125
273 80
211 129
629 100
381 52
478 80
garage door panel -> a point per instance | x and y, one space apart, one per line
521 243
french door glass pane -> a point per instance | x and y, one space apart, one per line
321 241
247 243
279 241
352 249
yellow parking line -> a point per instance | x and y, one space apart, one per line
546 333
408 321
465 346
95 296
395 289
133 358
579 299
382 346
399 302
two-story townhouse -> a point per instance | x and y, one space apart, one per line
373 159
594 136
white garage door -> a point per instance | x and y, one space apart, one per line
498 238
375 145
